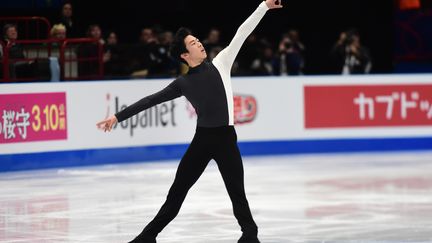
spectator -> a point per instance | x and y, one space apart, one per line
150 55
18 68
294 36
290 59
147 36
243 63
112 38
214 51
58 31
212 43
348 56
114 66
88 66
162 63
66 18
10 32
166 38
58 34
264 64
154 60
111 46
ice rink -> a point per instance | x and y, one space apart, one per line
364 197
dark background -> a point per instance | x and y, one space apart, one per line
319 22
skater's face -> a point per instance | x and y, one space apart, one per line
196 52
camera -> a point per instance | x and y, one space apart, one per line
288 45
350 36
349 40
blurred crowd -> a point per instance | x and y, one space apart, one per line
149 56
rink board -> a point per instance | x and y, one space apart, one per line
45 125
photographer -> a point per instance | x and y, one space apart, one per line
349 56
290 59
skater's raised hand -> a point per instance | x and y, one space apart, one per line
107 124
274 4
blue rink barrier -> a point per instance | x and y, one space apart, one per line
58 159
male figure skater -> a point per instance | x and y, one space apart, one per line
207 86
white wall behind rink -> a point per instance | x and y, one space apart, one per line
280 112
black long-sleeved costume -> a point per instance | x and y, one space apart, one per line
208 88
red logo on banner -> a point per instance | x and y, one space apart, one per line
368 105
32 117
245 109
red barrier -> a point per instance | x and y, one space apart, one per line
88 53
35 64
33 51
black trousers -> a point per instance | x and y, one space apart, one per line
220 144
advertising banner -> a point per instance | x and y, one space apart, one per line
54 124
368 106
33 117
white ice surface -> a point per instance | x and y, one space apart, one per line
373 198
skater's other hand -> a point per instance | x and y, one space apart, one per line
107 124
274 4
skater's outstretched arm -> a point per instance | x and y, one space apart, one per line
172 91
226 56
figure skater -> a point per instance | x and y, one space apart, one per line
207 85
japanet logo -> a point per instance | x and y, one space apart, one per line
368 106
245 109
162 115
